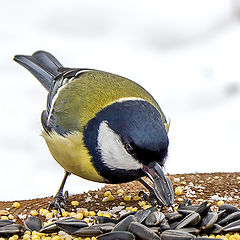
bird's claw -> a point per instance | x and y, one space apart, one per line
59 202
151 198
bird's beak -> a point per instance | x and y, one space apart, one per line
162 185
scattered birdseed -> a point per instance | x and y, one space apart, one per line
178 190
127 198
16 204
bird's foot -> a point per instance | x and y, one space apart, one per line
151 198
59 202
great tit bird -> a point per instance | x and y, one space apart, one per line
101 126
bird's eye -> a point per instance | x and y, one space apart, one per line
129 148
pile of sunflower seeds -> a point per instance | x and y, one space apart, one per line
188 222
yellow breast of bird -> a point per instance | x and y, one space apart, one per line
79 102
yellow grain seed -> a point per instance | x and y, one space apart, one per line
128 208
134 209
10 216
105 199
75 203
85 213
72 214
183 183
237 236
44 212
68 238
142 203
178 190
35 237
218 236
219 203
120 191
127 198
238 178
2 238
106 214
11 238
232 237
49 215
91 213
26 237
56 237
27 232
88 238
93 238
99 213
86 220
79 216
227 235
212 236
34 232
65 213
107 193
16 204
41 210
136 198
34 212
15 236
110 197
4 217
180 199
216 177
146 206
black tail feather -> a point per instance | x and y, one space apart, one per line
42 65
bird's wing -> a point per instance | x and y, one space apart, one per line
48 117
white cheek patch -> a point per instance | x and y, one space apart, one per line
112 150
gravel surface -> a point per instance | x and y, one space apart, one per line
198 187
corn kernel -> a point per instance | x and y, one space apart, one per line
178 190
93 238
238 178
79 216
91 213
75 203
16 204
72 214
136 198
142 203
110 197
85 213
2 238
15 236
49 215
134 209
35 237
105 199
128 208
183 183
56 237
218 236
122 203
4 218
106 215
27 232
146 206
34 213
120 191
127 198
107 193
99 213
86 220
11 238
10 216
65 213
54 212
227 235
44 212
219 203
34 232
26 237
88 238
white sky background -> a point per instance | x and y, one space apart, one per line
185 53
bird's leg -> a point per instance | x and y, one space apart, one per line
151 197
59 201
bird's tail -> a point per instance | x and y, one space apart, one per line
43 65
